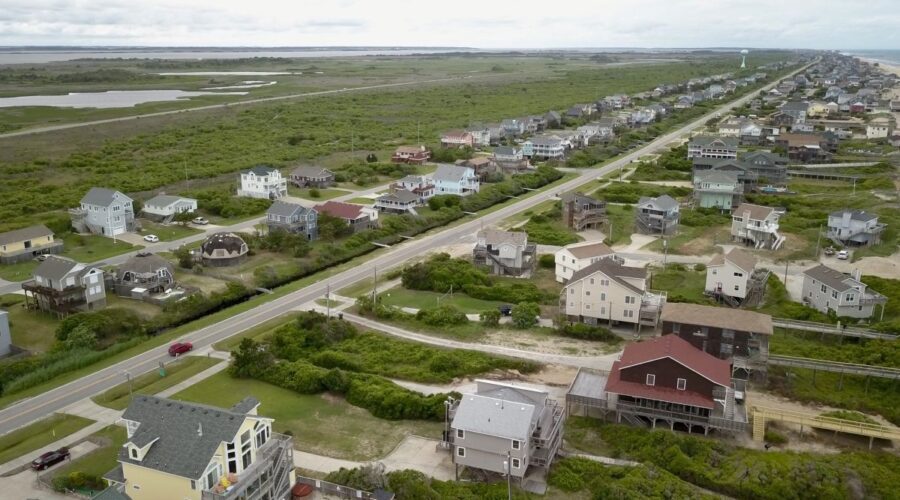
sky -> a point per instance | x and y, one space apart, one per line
815 24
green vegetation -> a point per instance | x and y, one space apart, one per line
39 434
546 228
321 424
631 192
698 232
93 248
258 332
778 303
581 475
419 299
30 329
622 219
682 285
672 165
315 194
20 271
92 466
178 371
860 351
744 473
168 232
853 416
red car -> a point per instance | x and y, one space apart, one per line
180 348
50 459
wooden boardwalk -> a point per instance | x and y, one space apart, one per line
763 414
836 367
841 330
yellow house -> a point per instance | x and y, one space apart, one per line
184 451
26 243
818 109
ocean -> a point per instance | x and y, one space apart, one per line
891 57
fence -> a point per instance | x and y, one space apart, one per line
335 489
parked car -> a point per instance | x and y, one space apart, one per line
843 255
50 459
41 258
200 221
505 310
152 238
180 348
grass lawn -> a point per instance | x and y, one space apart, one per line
622 219
101 460
362 201
167 232
19 271
143 309
418 299
31 330
321 424
39 434
256 332
324 193
686 285
363 287
91 248
326 302
178 371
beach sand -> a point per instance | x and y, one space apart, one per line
885 67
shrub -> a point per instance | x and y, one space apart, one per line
490 317
314 193
547 261
78 481
445 315
776 438
525 315
588 332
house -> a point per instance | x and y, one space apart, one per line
262 181
25 244
580 110
747 178
223 249
879 128
399 201
457 139
62 286
802 128
577 256
505 429
545 147
769 167
756 226
608 292
142 275
713 147
683 102
311 176
177 449
483 166
731 127
782 120
504 154
419 185
796 110
740 335
512 127
480 135
354 215
506 253
657 215
553 119
818 109
580 212
732 278
855 227
716 189
806 148
163 207
455 179
292 218
665 381
825 289
895 105
415 155
105 212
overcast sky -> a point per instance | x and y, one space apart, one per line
821 24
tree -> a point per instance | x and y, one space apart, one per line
250 359
525 315
332 228
184 256
491 317
81 337
547 261
183 218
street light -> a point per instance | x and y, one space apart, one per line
130 383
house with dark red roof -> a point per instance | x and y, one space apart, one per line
665 381
354 215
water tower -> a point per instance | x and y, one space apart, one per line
744 58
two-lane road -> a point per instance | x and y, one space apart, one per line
32 409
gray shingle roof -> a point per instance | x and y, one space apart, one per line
164 200
26 233
829 277
614 271
663 202
186 435
497 236
450 173
858 215
145 263
286 209
55 267
505 150
101 196
312 172
401 196
494 417
706 141
261 170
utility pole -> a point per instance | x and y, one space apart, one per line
418 140
785 271
508 464
818 239
328 300
374 286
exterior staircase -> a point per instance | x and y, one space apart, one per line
634 420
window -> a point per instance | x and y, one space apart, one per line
516 444
587 293
571 291
676 327
587 306
602 296
461 452
134 453
823 289
681 384
850 297
516 463
738 275
628 313
460 433
232 457
193 484
737 288
571 304
651 379
715 271
604 282
834 295
592 281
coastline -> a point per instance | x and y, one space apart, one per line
885 67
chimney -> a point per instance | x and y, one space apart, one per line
857 274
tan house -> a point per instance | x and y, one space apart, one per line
607 291
577 256
26 243
181 450
756 226
733 278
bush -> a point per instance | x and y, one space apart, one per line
78 481
490 318
547 261
588 332
525 315
524 291
314 193
440 273
445 315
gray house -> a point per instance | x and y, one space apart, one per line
307 176
506 253
105 212
657 215
855 227
504 429
768 167
63 286
828 290
144 274
400 202
293 218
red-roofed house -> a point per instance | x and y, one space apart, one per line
457 139
415 155
666 381
352 214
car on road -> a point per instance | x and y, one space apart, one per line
180 348
152 238
200 221
843 255
50 459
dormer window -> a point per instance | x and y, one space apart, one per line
651 379
134 453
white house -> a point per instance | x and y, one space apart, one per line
455 179
855 227
549 147
262 181
163 206
879 128
577 256
730 274
105 212
756 225
826 289
606 291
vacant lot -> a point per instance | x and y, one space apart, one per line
419 299
31 330
102 460
167 232
33 437
320 424
151 383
